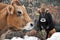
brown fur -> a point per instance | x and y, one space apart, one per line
51 32
32 33
2 6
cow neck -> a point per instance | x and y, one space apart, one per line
10 27
6 27
7 14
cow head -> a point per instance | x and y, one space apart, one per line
18 18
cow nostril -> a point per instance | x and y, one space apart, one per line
31 24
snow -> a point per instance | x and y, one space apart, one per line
25 38
30 38
55 36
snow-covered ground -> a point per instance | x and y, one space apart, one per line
25 38
55 36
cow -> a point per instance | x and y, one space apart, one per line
14 17
45 22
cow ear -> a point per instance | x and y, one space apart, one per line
10 9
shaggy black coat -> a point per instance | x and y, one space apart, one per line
48 25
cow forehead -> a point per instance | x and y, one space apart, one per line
19 8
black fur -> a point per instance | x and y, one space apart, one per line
48 25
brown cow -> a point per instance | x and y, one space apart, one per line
15 17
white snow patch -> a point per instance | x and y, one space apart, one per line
55 36
25 38
30 38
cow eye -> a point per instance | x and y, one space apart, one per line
19 13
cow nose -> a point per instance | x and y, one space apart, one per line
31 24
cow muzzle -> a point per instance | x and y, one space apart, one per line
29 26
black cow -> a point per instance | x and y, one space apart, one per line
45 22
